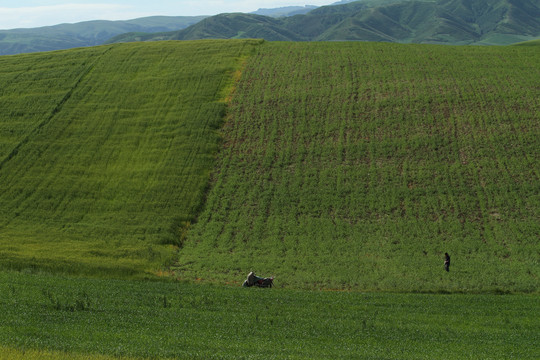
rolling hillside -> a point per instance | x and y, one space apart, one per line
105 152
485 22
498 22
88 33
358 165
528 43
331 165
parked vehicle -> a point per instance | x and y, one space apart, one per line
254 280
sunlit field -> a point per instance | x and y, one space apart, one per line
358 165
105 152
140 183
134 319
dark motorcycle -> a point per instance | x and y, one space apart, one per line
253 280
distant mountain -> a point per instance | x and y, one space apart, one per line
88 33
301 10
285 11
437 22
490 22
343 2
236 26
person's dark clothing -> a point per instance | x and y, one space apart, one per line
446 262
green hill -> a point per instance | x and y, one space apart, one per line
342 165
331 165
358 165
88 33
529 43
440 22
483 22
105 152
237 25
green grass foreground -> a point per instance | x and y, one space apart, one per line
358 165
135 319
105 152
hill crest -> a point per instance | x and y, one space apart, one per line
438 22
87 33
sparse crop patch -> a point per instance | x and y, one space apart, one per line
358 165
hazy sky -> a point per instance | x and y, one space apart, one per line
34 13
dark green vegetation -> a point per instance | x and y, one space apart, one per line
181 321
486 22
358 165
88 33
105 152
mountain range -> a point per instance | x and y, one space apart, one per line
488 22
87 33
285 11
458 22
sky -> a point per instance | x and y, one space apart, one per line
35 13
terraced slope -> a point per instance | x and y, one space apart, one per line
105 152
358 165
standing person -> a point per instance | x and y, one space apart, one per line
446 262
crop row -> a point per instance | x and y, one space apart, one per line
105 152
359 165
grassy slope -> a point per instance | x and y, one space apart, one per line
529 43
181 321
56 317
30 354
105 152
358 165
